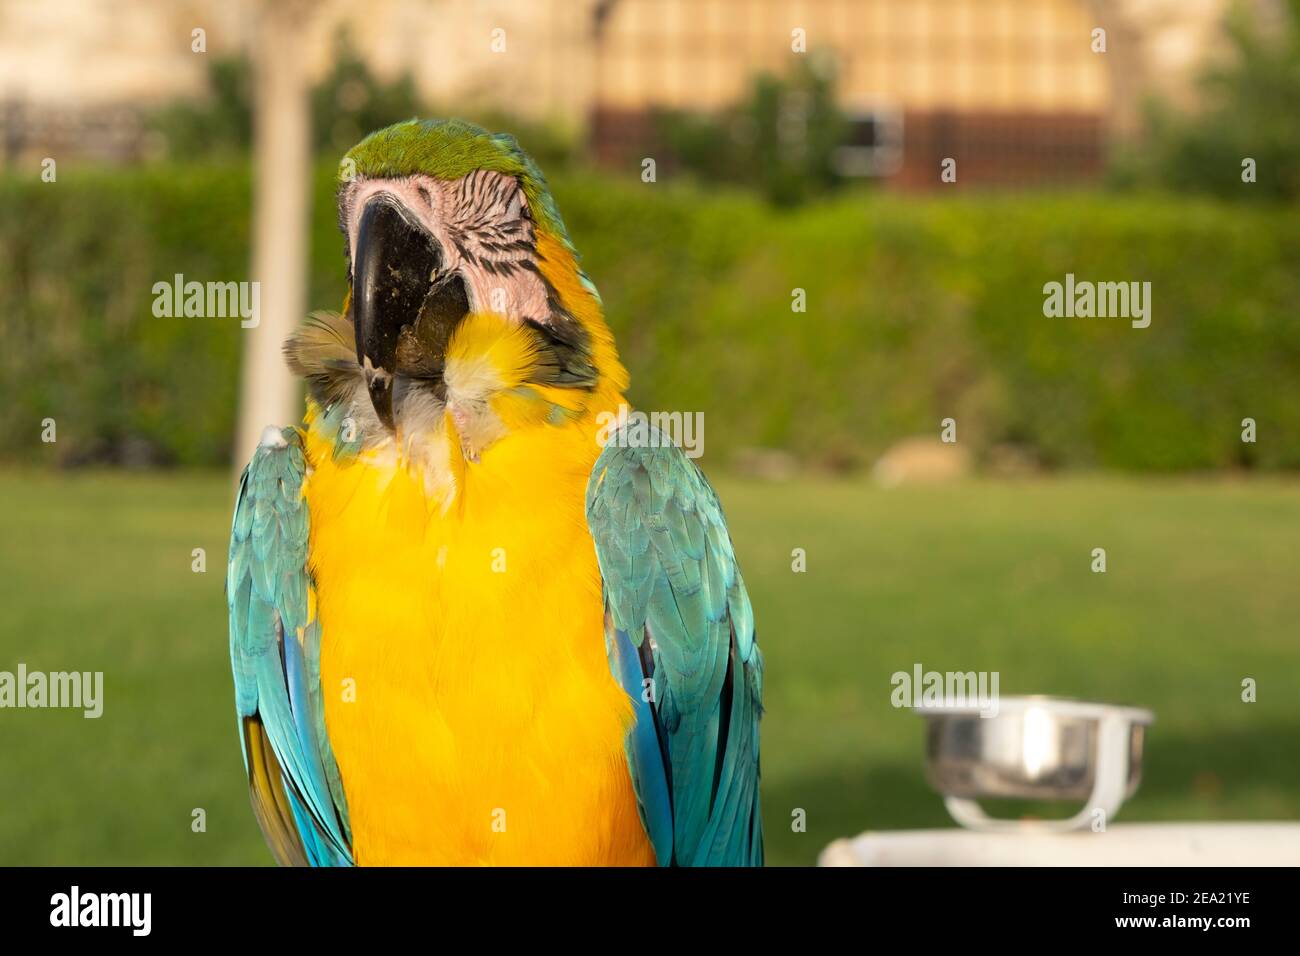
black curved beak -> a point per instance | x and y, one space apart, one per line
394 266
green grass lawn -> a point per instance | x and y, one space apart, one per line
1201 592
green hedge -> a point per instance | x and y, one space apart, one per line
917 309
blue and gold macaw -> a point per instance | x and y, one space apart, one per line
468 625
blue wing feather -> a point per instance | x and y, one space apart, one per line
644 746
678 615
275 660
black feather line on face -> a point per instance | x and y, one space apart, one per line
560 316
505 248
566 338
564 355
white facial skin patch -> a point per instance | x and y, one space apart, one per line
482 225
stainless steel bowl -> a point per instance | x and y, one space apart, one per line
1035 748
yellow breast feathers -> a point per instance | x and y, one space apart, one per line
467 695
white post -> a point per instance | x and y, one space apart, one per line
281 220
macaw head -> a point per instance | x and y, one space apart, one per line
468 309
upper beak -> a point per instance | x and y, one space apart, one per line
393 267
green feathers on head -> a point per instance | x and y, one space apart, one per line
450 149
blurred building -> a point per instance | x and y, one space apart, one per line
1014 87
1010 86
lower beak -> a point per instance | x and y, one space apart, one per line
394 266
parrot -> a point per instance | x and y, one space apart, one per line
471 621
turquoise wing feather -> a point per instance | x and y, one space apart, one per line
679 632
275 657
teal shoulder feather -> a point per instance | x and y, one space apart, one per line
275 658
679 633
